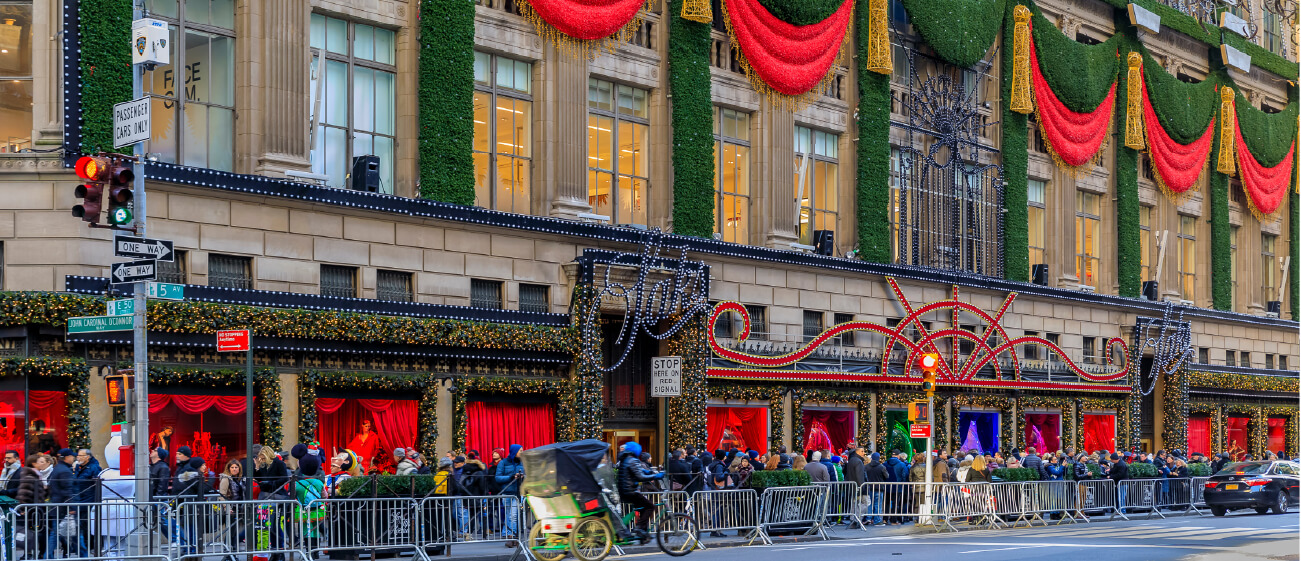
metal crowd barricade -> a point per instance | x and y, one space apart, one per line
1138 494
460 520
1198 492
843 502
1009 503
887 501
200 528
972 503
1096 496
377 525
1176 494
794 508
673 502
733 509
109 529
1058 498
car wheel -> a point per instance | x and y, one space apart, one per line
1219 510
1280 505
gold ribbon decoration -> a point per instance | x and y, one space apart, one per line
1225 163
1021 102
879 56
697 10
1134 103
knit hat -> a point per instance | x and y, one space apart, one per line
162 453
444 462
399 452
459 460
185 450
876 456
969 457
298 451
835 459
314 448
195 463
817 456
309 465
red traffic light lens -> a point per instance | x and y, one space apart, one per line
929 361
91 167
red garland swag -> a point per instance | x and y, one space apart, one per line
1177 165
1265 187
587 20
791 59
1074 137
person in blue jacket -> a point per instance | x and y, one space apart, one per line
510 472
896 470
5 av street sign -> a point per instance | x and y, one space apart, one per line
142 248
133 271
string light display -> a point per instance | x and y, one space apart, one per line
1174 406
72 372
422 384
897 400
1248 382
560 390
686 422
589 379
862 402
266 388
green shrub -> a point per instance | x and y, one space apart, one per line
387 486
1199 469
1016 474
1141 470
1095 470
761 480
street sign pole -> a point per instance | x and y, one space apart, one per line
140 417
930 419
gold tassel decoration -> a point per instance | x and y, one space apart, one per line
1021 102
697 10
879 56
1134 135
1225 163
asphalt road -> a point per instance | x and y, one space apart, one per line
1239 536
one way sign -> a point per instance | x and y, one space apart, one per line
142 248
134 271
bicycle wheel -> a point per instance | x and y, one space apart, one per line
537 539
677 534
591 540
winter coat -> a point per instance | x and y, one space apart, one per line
406 467
160 479
1119 471
87 476
231 488
696 470
917 473
632 472
62 484
896 470
875 472
817 472
192 484
679 471
831 469
1181 472
976 476
270 478
1054 472
1082 471
472 477
855 470
507 470
1035 463
29 490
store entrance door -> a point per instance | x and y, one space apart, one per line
644 437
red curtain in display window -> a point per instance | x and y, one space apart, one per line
51 408
1043 432
1099 432
1199 434
496 424
211 425
827 430
1276 437
1236 438
392 425
12 422
742 428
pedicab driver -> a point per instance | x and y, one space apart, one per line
631 473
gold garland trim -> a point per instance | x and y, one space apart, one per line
1224 163
1134 133
792 103
1022 100
698 11
880 58
580 48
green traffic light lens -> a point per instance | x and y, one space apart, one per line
120 216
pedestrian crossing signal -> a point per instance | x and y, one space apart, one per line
117 389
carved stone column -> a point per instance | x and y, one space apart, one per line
774 167
47 73
273 65
562 156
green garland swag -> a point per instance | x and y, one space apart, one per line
1174 424
1221 235
686 420
862 407
1129 248
105 70
960 31
1015 153
561 390
423 385
873 183
77 377
54 308
1294 247
1184 110
266 388
589 379
1250 382
771 394
801 12
446 98
693 131
1262 58
1080 75
1267 135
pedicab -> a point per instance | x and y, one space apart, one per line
570 486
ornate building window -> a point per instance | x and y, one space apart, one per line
393 285
1036 194
230 271
503 133
1268 268
1233 267
732 152
618 142
355 97
1088 220
16 76
818 195
1145 242
338 281
193 98
1187 256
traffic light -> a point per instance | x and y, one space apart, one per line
120 178
929 363
94 170
118 388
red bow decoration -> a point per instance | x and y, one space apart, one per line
1265 187
789 59
1073 138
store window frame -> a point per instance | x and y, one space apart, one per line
351 132
480 297
18 85
824 161
622 122
178 26
523 161
534 298
739 232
